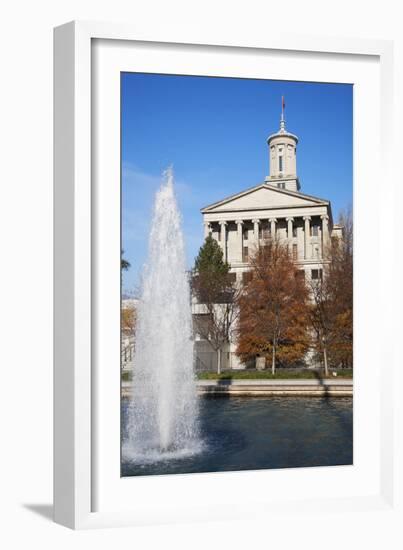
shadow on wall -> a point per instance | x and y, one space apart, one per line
220 389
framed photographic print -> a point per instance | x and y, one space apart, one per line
217 235
262 317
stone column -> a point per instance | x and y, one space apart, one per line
273 222
325 234
290 222
307 234
239 224
256 231
224 239
207 229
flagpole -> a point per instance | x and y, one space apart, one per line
282 122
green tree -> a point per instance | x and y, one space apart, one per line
124 263
216 294
210 259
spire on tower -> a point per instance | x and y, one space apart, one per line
282 119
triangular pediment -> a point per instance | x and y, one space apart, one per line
264 196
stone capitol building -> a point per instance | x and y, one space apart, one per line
274 208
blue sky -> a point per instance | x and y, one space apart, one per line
213 131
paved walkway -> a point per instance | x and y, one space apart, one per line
314 387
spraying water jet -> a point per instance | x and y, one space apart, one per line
164 410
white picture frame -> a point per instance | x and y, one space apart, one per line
87 491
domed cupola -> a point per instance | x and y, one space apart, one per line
283 157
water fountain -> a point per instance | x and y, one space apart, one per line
162 416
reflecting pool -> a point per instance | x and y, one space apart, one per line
241 433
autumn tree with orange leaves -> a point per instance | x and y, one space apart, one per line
274 308
331 312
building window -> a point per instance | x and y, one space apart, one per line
232 277
315 230
316 274
294 231
245 235
280 163
294 251
300 275
245 254
264 231
246 277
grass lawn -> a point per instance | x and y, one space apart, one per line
126 376
281 374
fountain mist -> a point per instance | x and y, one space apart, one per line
163 410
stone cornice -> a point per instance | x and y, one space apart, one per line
269 186
282 135
261 208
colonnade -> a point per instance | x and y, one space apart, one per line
259 223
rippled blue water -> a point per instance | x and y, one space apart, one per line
241 433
